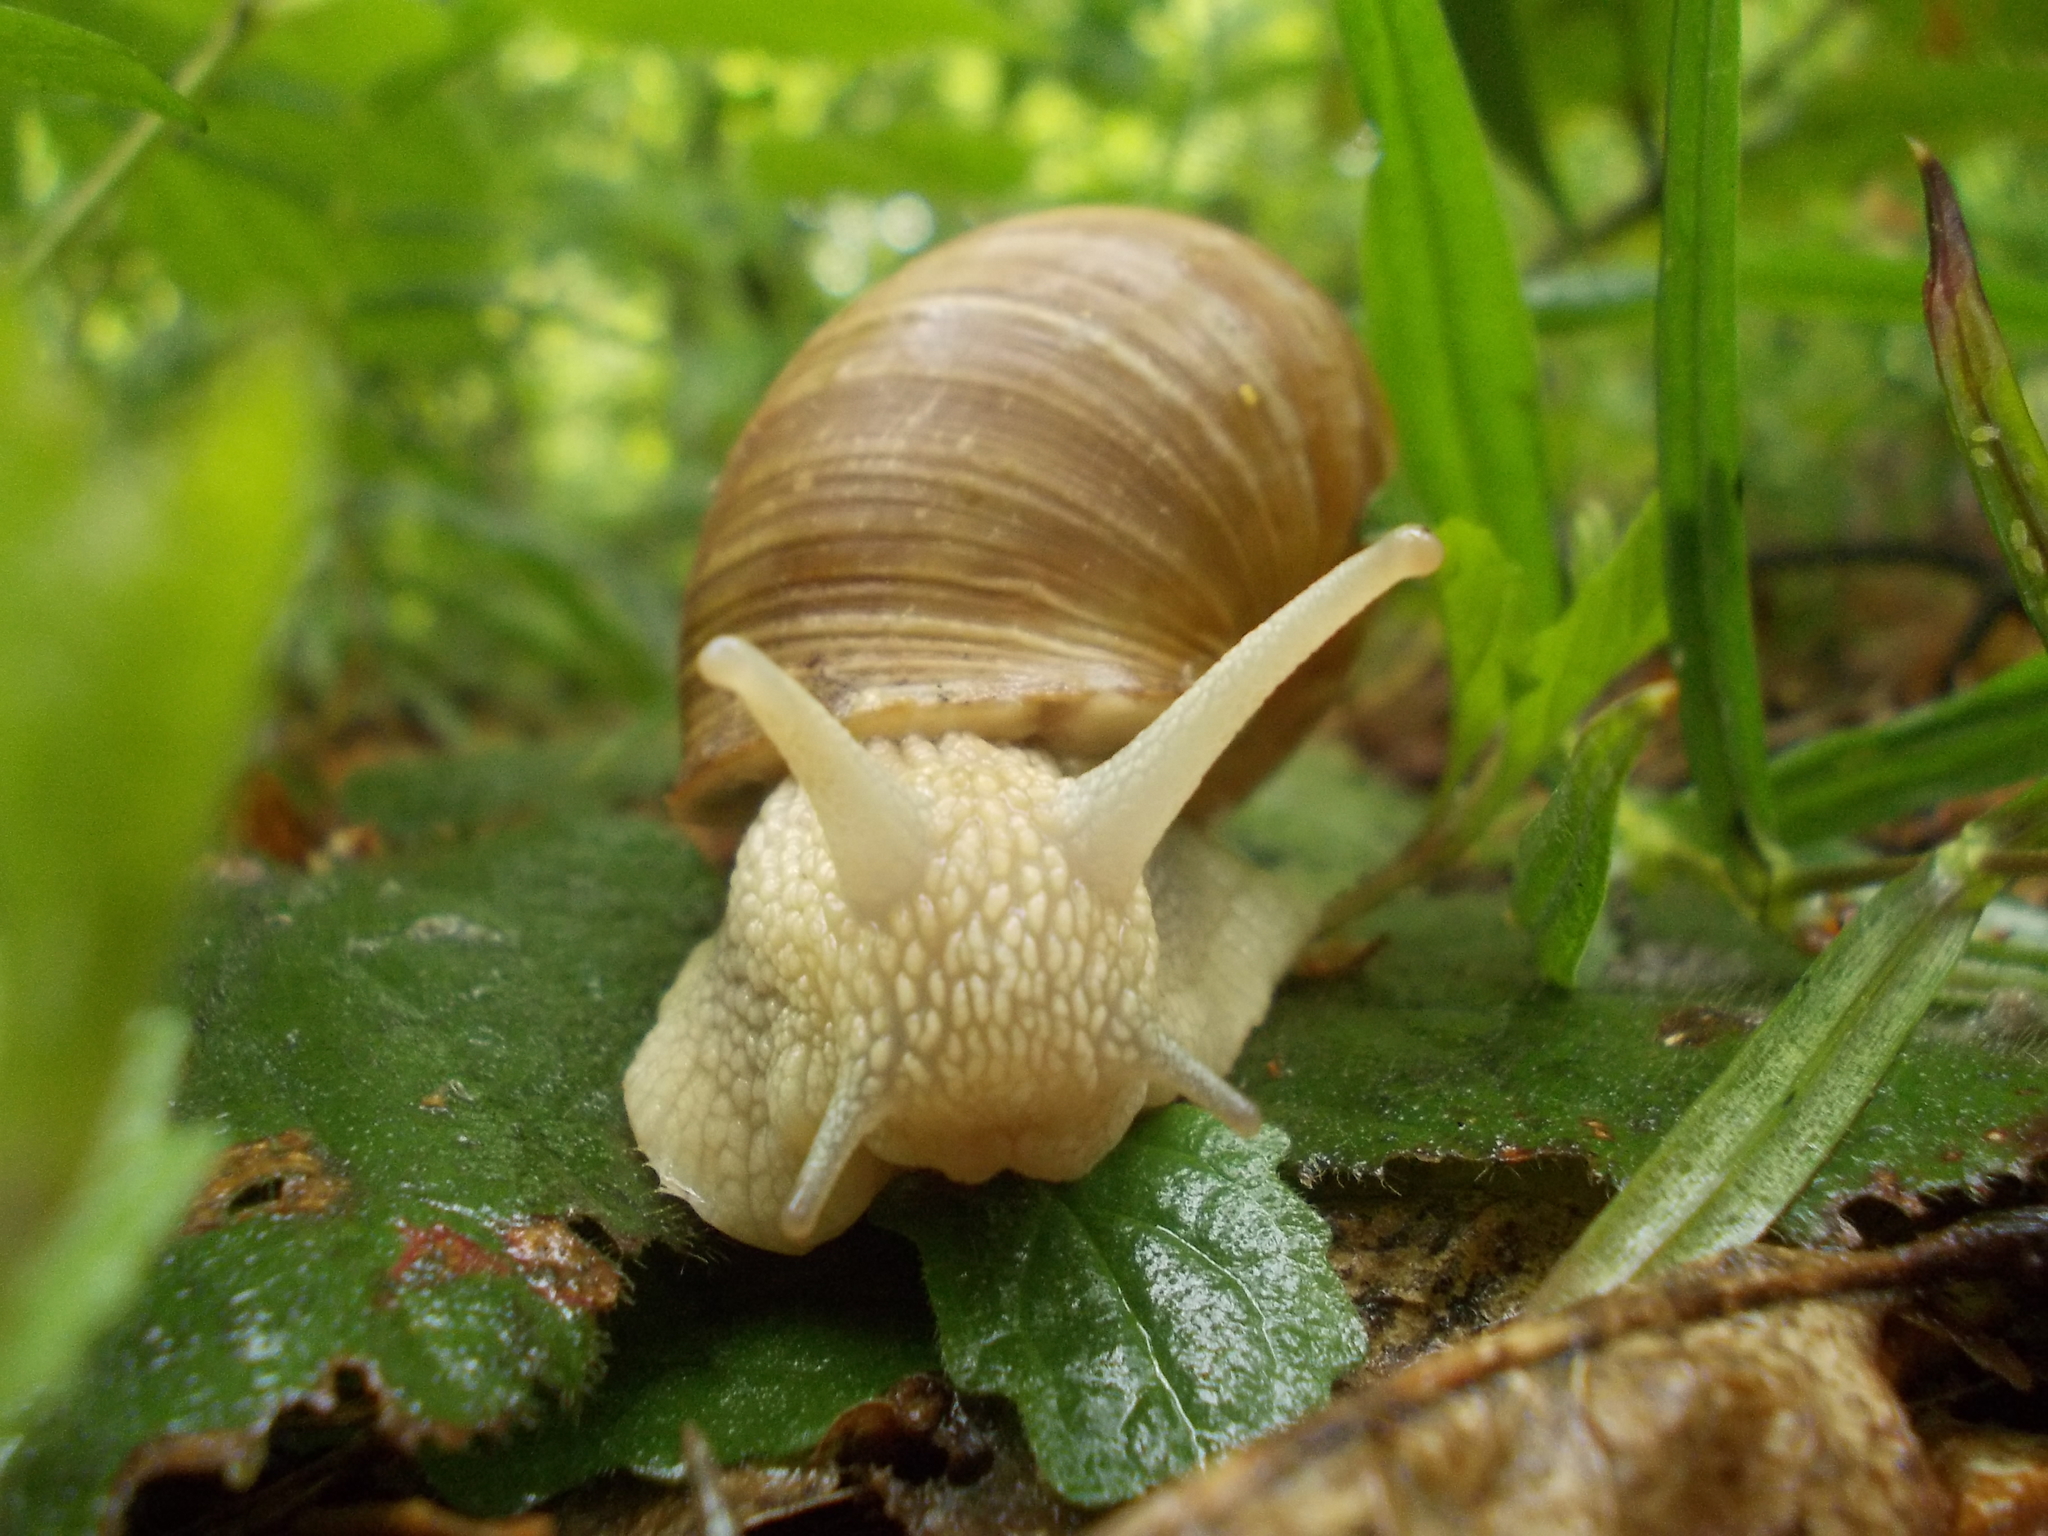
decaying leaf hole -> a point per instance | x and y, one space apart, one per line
281 1175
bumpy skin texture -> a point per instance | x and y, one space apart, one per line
1004 1015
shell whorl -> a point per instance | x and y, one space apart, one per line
1030 487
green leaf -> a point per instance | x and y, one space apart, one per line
1487 625
350 46
128 1199
1987 736
1998 438
274 1310
1561 864
139 594
851 30
1616 618
51 55
1752 1141
1444 312
1699 434
1489 42
419 1057
1175 1301
1447 1044
441 799
760 1352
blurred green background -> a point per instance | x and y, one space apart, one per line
553 252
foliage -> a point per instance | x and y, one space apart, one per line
1175 1301
1443 313
1561 864
140 579
53 55
547 256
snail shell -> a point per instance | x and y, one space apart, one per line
1031 486
1075 489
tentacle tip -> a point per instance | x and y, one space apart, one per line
1243 1117
1424 550
721 660
799 1219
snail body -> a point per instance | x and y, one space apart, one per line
1047 518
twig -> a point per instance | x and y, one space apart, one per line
228 31
1648 199
712 1510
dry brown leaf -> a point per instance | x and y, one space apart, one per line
1736 1396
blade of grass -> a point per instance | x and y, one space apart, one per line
1993 734
1444 311
1489 42
1713 648
2008 463
1562 861
1749 1144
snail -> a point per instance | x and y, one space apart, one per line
991 585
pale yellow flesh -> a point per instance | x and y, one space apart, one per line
1010 1004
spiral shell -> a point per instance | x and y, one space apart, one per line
1030 487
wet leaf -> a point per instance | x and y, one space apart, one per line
138 591
420 1059
1739 1395
440 799
760 1352
1447 1043
1752 1141
1175 1301
133 1187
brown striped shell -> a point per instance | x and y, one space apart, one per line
1030 487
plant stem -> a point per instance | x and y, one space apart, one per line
1855 872
1440 843
1842 877
229 29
